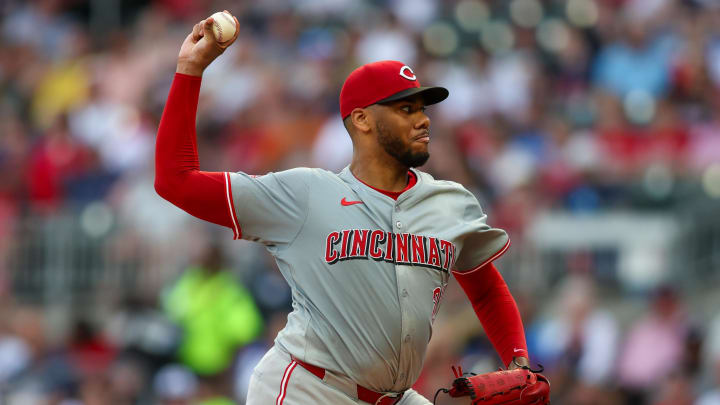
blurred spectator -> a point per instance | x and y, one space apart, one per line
711 355
656 342
578 345
637 62
14 357
88 351
675 390
712 395
64 85
174 384
126 380
271 290
217 316
386 40
254 352
142 331
54 162
116 131
38 370
332 149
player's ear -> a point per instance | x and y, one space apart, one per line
360 119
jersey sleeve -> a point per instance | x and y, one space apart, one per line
481 243
272 208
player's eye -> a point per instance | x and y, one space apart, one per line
411 109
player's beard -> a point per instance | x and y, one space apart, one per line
395 147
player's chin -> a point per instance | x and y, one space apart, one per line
417 158
419 147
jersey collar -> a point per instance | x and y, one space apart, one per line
348 176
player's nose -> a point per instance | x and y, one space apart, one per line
423 121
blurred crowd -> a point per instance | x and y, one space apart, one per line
578 106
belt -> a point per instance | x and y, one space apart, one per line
363 394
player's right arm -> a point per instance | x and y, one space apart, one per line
270 209
178 177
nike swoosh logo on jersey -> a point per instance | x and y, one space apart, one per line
345 202
518 350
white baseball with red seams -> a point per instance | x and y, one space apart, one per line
223 26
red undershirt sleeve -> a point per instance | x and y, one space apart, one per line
496 309
178 178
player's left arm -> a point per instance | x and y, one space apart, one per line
481 281
497 311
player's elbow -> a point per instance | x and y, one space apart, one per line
165 190
175 190
160 188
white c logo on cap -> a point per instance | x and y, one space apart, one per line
411 76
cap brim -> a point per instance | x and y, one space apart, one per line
430 95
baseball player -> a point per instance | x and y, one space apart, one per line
367 252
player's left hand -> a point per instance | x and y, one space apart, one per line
521 386
519 362
200 48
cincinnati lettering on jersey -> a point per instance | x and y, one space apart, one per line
398 248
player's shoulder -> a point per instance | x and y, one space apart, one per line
299 173
441 185
314 176
307 175
294 177
317 173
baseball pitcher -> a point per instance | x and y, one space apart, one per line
367 252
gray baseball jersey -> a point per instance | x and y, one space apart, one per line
367 272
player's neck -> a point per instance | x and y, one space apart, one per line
384 175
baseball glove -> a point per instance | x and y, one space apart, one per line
509 387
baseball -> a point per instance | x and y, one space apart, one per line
223 26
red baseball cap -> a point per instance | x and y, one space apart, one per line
382 82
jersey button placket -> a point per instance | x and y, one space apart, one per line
406 339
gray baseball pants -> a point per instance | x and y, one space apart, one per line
277 380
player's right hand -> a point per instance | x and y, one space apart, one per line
200 48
